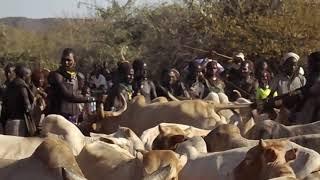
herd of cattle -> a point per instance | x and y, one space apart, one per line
186 140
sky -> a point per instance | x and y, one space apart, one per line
45 8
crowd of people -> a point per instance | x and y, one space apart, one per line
28 95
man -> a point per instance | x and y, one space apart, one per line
171 83
10 76
243 81
123 86
141 84
213 83
18 102
194 81
289 79
63 94
97 80
232 68
9 73
304 103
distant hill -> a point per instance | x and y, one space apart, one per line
34 25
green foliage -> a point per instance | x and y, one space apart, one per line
160 35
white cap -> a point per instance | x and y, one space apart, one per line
289 55
240 55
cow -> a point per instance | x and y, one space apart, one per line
141 116
267 160
154 160
228 136
169 134
221 163
15 148
269 129
100 160
124 137
52 160
225 137
208 166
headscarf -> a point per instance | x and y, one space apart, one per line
289 55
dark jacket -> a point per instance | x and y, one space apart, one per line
59 93
17 101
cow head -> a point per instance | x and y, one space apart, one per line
269 159
163 164
168 138
219 138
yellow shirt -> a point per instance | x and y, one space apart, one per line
262 93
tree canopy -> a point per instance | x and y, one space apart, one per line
172 34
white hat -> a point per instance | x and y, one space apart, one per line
289 55
240 55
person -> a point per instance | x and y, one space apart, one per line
194 81
122 87
141 84
231 72
263 90
244 82
289 78
63 97
97 80
10 76
107 75
213 83
171 83
303 102
38 88
261 67
18 103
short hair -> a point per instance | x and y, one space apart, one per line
66 52
8 67
19 70
124 67
137 64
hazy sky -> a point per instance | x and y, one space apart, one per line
44 8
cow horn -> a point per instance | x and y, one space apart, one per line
219 107
171 96
105 114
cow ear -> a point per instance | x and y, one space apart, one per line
291 154
270 155
127 133
161 129
177 139
262 144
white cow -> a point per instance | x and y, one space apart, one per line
149 135
52 160
13 147
101 160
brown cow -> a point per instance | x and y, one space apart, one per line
170 132
269 159
269 129
101 160
141 116
52 160
227 136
